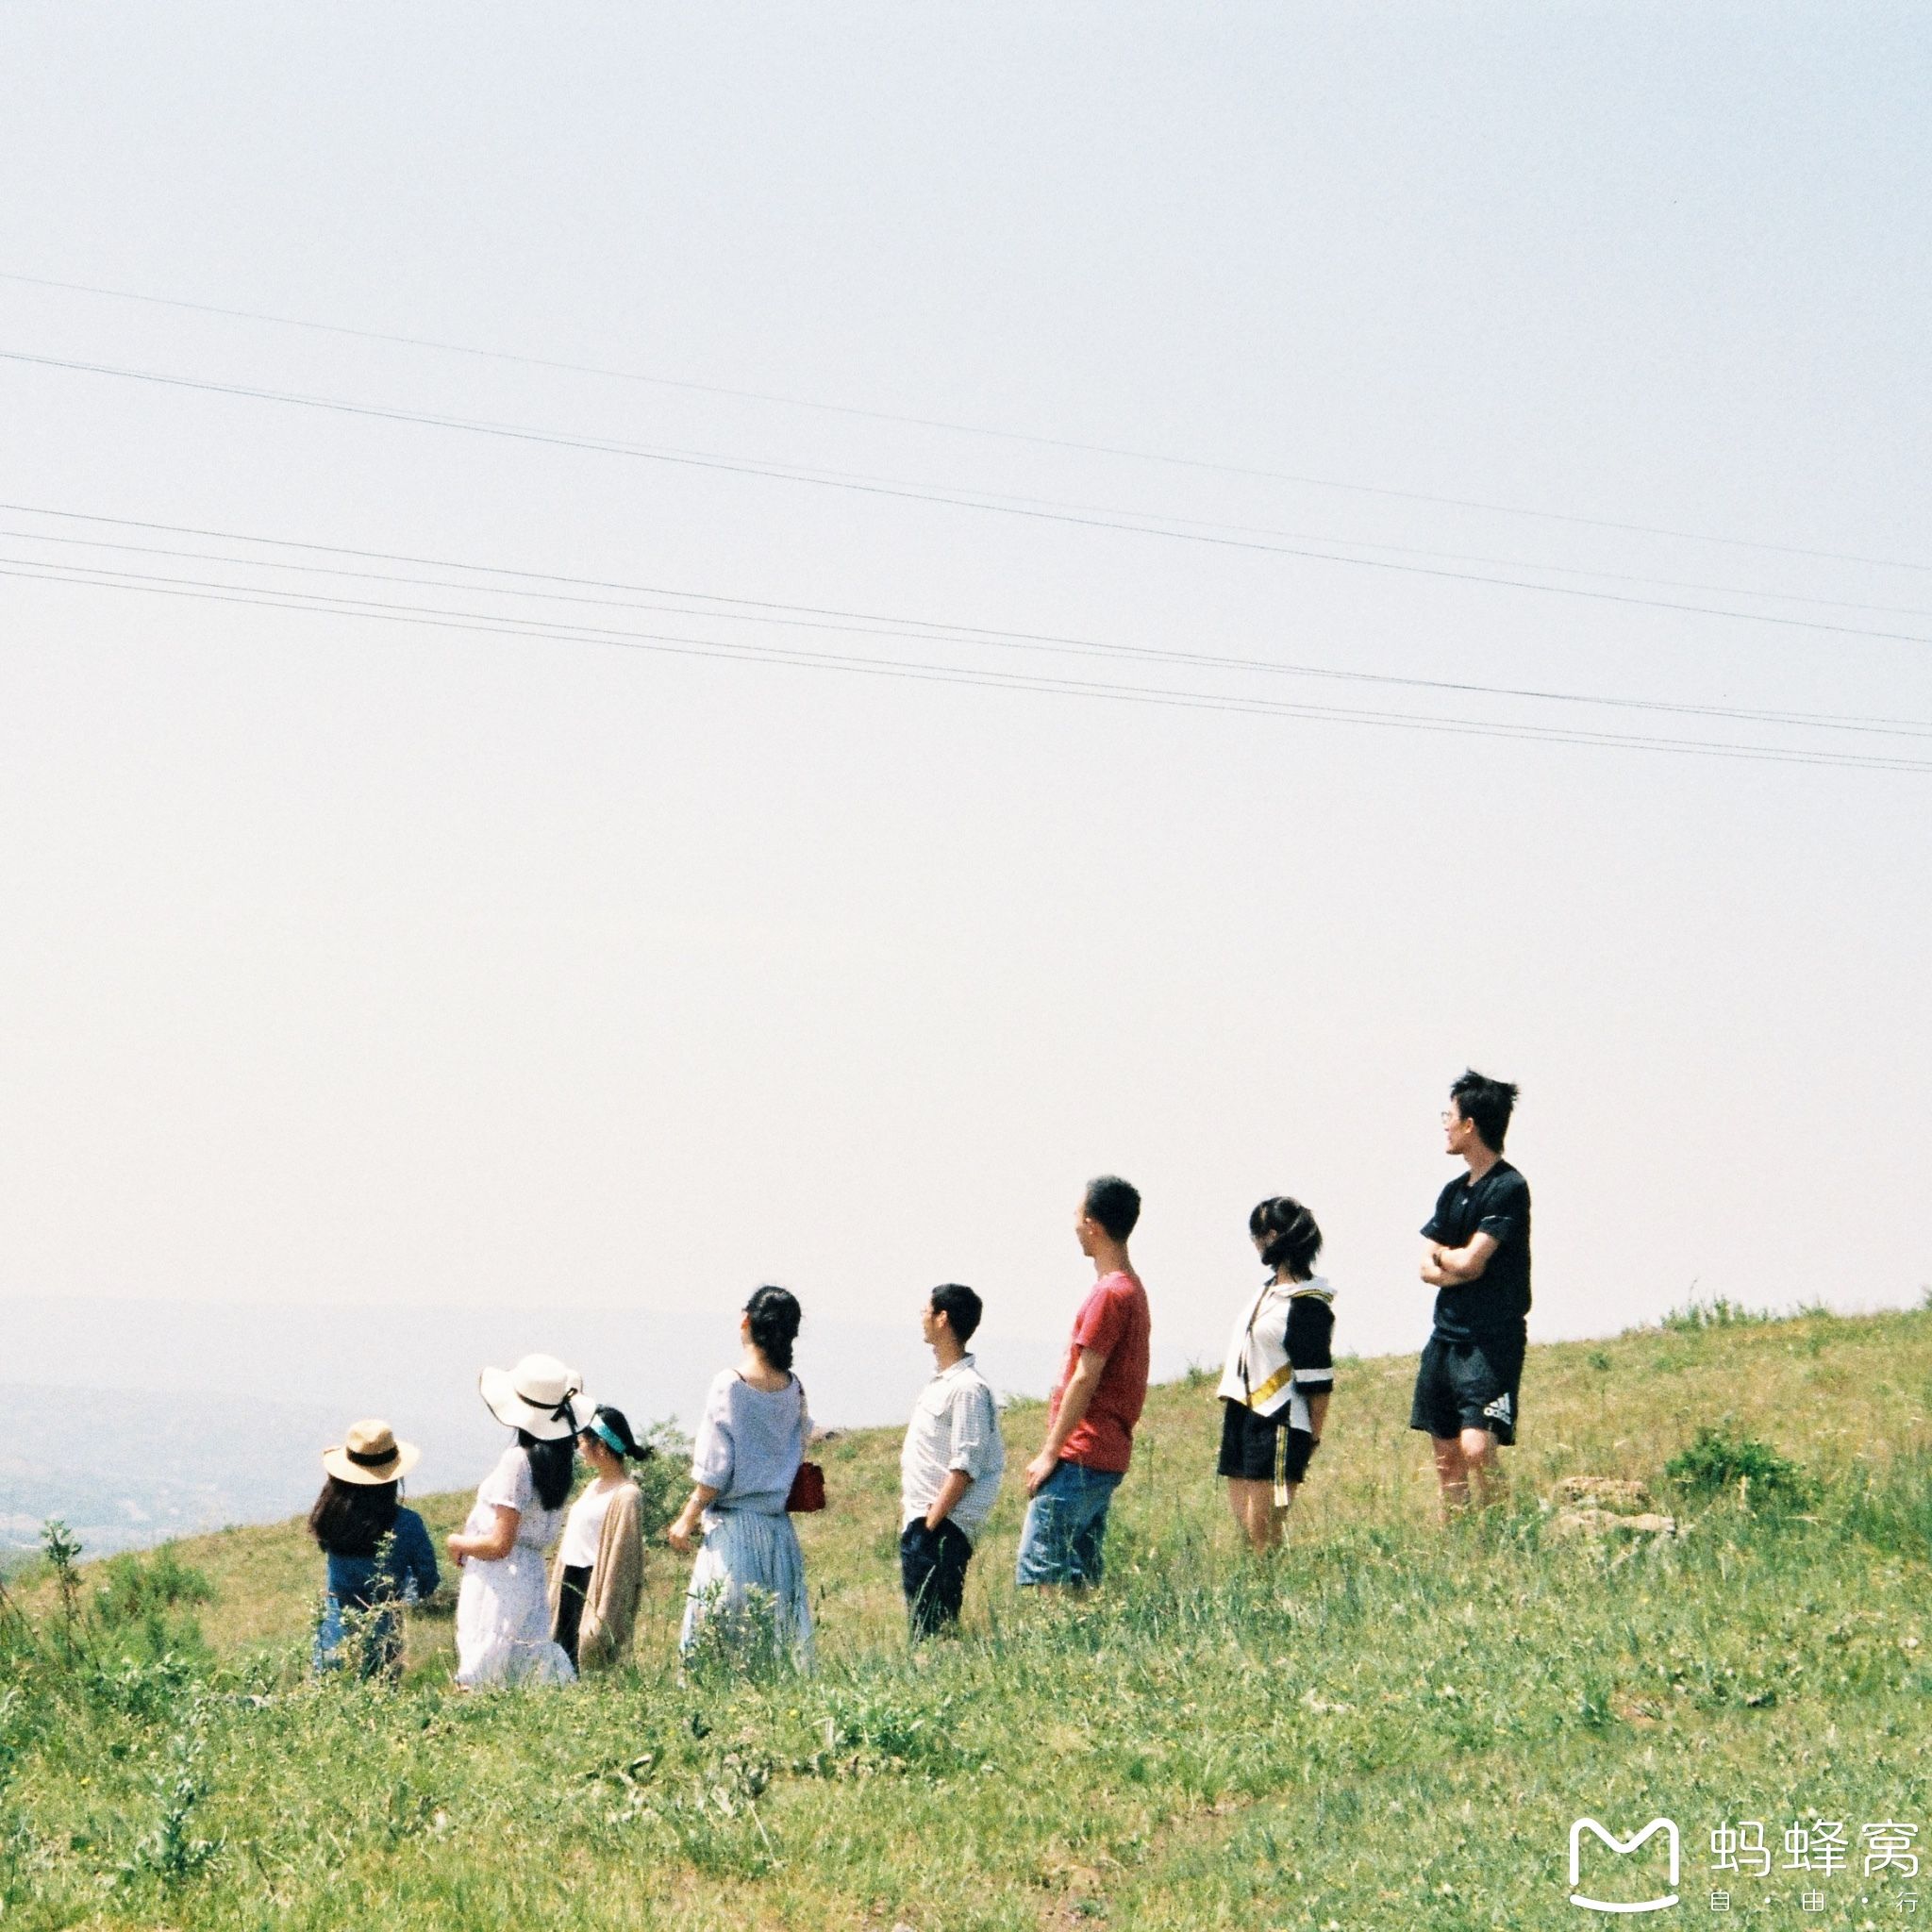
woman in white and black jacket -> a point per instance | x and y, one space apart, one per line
1280 1370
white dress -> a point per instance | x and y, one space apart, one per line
503 1610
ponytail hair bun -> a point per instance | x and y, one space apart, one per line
1289 1234
774 1316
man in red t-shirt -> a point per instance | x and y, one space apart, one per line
1090 1417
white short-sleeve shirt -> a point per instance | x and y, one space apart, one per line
583 1529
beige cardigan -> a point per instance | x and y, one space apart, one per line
617 1581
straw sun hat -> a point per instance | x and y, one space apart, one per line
539 1396
370 1454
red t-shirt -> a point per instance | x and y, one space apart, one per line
1114 1321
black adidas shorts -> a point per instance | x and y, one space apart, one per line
1468 1385
1262 1448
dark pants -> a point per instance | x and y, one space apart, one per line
932 1566
570 1609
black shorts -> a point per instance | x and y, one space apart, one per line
1469 1385
1262 1448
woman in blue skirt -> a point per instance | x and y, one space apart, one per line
748 1582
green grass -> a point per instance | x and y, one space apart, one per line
1388 1728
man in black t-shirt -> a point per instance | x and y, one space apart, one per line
1477 1261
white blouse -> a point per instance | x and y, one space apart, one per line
583 1529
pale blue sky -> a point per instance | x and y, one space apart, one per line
352 963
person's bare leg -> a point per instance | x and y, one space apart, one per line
1479 1450
1452 1472
1253 1505
1237 1488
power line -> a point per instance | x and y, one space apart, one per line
1352 544
711 462
544 576
808 617
489 624
953 427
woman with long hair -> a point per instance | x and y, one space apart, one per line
599 1573
379 1554
1279 1372
749 1577
503 1614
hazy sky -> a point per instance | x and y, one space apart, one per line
349 961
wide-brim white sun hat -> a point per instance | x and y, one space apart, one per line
539 1396
369 1454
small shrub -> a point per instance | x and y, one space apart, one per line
143 1688
62 1548
663 1479
1719 1461
749 1638
174 1852
364 1641
711 1815
141 1647
881 1728
130 1589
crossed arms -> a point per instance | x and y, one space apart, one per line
1448 1267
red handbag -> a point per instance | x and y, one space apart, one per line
807 1491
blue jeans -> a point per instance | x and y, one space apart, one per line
1066 1524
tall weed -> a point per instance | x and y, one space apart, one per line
1891 1507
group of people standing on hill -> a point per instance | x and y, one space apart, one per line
750 1472
515 1619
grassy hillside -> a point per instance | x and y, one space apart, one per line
1387 1726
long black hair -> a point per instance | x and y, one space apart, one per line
551 1466
1291 1235
774 1318
350 1519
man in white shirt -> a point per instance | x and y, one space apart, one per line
950 1468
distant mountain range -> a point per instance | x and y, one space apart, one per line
139 1420
123 1469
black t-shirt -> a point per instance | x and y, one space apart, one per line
1492 1306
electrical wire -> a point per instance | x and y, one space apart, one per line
1002 435
711 462
965 674
870 624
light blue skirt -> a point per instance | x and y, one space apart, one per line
747 1587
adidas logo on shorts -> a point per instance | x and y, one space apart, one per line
1500 1408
